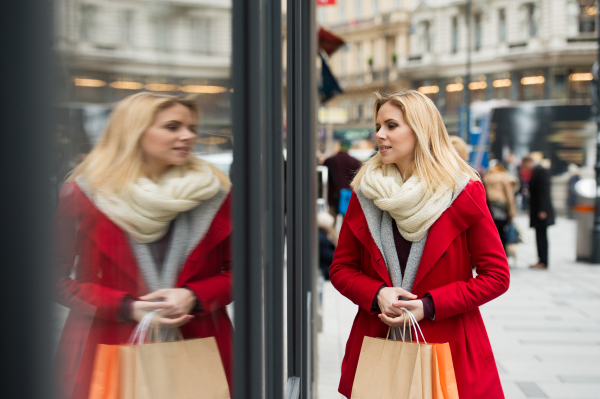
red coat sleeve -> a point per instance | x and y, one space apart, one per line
487 254
82 293
214 292
346 273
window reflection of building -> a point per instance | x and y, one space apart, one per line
579 82
87 22
454 34
587 16
532 85
502 25
531 19
454 97
478 38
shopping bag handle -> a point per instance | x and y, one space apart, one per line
148 323
415 325
390 329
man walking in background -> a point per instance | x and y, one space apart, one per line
541 212
341 169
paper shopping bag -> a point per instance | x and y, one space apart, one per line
105 373
404 369
388 369
175 370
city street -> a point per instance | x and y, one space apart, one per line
545 331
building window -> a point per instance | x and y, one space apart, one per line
426 37
502 25
358 10
358 111
161 33
342 11
375 7
87 25
343 61
369 105
397 4
359 58
454 35
477 20
200 37
127 25
587 16
531 20
321 15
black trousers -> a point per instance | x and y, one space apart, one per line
541 238
501 226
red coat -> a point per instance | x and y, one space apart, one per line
107 271
464 233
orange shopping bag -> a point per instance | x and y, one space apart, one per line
105 374
443 378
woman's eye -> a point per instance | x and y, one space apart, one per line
172 127
392 125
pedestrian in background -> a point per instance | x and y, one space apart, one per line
461 147
541 211
574 177
416 222
142 225
501 198
341 170
328 239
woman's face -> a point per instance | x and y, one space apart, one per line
396 140
170 138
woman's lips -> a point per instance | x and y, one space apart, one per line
182 150
383 149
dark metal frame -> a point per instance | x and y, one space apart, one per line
26 201
257 174
301 191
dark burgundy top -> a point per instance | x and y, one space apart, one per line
403 247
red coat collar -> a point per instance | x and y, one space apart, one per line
457 218
113 243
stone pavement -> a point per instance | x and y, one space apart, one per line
545 331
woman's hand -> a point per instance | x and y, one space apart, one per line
386 298
415 307
180 302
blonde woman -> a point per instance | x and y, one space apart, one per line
142 225
416 221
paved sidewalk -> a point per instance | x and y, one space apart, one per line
545 331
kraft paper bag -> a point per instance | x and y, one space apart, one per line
175 370
404 369
388 369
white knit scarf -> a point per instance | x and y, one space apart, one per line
145 210
410 203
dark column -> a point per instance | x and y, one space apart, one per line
300 186
27 194
248 122
274 220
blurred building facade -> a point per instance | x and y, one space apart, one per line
376 33
520 51
107 50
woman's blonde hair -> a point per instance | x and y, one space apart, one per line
436 161
117 158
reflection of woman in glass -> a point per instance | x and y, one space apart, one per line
142 224
416 223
